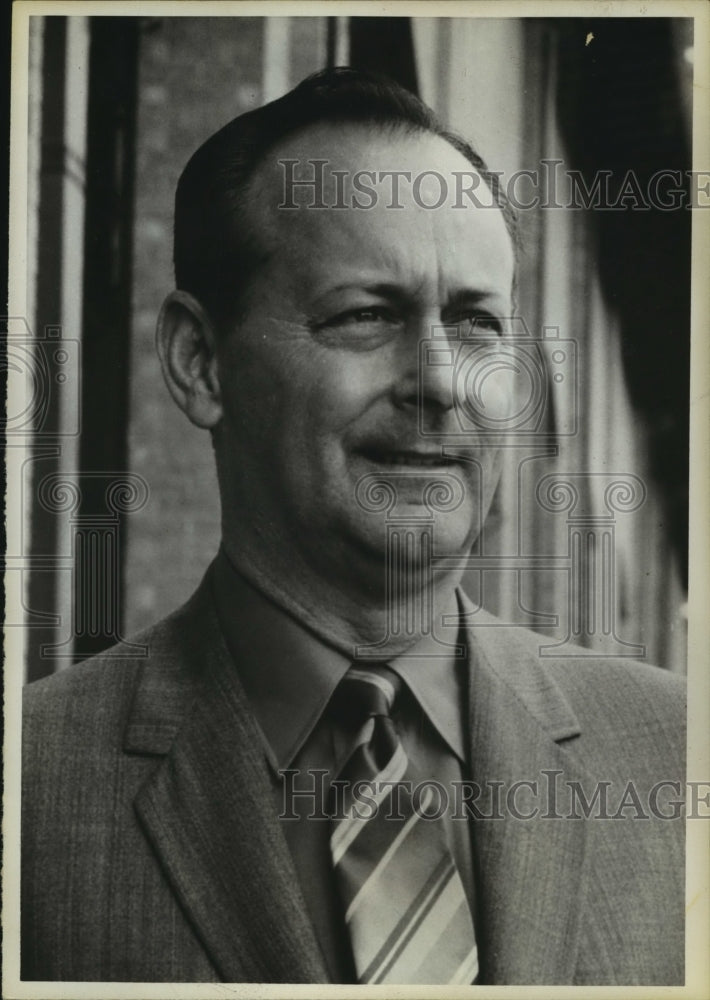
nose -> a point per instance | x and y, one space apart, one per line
425 370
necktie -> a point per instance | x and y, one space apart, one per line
405 907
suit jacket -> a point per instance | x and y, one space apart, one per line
151 850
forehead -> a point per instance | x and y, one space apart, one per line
395 199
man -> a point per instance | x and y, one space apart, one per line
230 808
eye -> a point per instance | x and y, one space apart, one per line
360 328
482 325
367 316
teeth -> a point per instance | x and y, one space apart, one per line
419 460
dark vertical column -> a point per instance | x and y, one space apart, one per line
330 40
618 104
108 239
42 596
384 45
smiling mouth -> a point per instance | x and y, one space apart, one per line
408 458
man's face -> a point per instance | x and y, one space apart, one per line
320 378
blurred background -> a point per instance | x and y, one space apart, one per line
121 511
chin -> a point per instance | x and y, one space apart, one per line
416 542
453 537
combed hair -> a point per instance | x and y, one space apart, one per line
215 253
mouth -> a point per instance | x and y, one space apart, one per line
411 458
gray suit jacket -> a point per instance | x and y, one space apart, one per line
151 850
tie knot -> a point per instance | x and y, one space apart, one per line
370 689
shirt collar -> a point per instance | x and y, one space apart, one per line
437 677
289 674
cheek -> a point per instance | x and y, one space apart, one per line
265 383
500 392
485 389
339 389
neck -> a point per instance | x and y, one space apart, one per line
387 620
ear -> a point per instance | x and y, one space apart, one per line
185 340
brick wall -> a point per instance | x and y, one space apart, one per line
195 75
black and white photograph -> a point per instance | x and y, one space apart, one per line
356 518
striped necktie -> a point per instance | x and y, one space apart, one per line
405 907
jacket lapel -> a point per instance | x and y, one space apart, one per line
208 808
531 880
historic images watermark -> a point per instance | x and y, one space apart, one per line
310 184
310 794
488 360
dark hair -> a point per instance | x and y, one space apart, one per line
214 256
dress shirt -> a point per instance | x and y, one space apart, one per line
289 675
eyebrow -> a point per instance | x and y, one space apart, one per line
462 297
383 289
467 297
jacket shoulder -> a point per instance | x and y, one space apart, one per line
88 704
627 691
106 675
610 696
